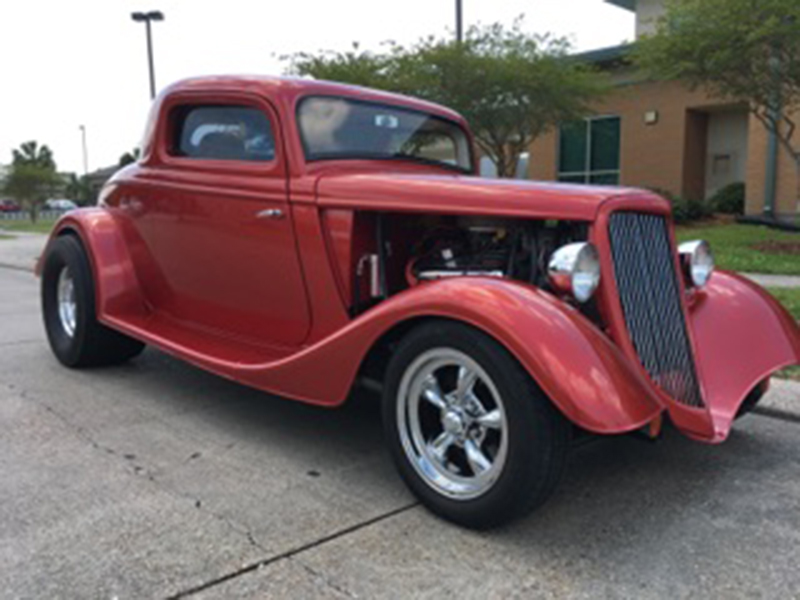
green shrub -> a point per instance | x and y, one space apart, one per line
685 210
730 199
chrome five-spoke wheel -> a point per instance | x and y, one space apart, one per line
452 423
472 435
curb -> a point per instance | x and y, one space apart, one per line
14 267
788 282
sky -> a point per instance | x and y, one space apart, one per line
84 62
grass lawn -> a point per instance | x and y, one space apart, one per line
748 248
790 298
6 237
41 226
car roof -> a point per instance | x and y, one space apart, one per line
292 88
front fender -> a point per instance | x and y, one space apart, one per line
578 367
742 335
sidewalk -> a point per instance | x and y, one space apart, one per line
775 281
22 251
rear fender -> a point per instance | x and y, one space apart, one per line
116 288
580 369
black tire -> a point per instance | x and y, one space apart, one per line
753 398
91 344
538 435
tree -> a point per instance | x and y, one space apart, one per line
742 51
129 158
510 85
30 185
79 189
32 177
31 153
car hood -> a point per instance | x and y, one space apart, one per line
457 194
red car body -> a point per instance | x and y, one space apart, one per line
182 260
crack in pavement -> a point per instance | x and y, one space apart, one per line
20 342
249 568
321 577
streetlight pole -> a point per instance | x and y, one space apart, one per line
459 22
85 151
147 18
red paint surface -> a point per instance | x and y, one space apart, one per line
182 262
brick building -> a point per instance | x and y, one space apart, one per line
661 134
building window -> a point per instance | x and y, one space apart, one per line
589 151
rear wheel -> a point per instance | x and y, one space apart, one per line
76 337
472 435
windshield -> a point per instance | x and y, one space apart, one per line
339 128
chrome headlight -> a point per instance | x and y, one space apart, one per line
575 269
697 261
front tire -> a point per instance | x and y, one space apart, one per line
472 435
76 337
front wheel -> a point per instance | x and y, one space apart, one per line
76 337
472 435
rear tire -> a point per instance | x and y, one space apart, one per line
76 337
470 432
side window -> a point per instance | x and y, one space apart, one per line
222 133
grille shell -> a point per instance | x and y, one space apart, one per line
650 295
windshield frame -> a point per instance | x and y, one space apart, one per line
311 157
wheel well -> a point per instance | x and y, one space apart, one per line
374 365
68 231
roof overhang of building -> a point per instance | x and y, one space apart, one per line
629 4
607 57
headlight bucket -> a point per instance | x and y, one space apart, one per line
575 269
697 262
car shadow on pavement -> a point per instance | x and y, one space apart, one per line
622 494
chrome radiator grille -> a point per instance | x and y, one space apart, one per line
650 296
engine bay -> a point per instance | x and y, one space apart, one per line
409 250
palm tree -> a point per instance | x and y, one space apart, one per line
32 154
32 176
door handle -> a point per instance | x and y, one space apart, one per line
270 213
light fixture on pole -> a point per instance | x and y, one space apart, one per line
147 18
85 151
459 22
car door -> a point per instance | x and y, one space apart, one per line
216 224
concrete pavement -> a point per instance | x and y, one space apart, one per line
158 480
22 251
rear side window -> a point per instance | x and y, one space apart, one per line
225 132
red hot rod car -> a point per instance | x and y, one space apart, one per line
301 236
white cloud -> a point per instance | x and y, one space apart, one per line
84 62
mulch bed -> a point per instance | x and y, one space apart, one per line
776 247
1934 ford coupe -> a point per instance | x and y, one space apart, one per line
301 236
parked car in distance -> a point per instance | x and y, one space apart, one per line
9 206
60 205
302 237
